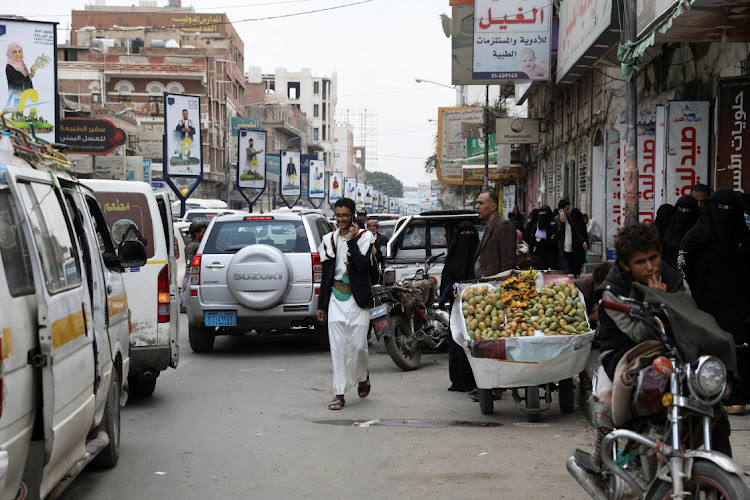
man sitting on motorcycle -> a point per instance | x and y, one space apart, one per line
638 249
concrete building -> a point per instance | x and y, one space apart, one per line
344 149
315 96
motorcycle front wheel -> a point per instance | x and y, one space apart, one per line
403 347
708 481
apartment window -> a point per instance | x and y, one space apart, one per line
583 167
324 133
316 88
316 134
316 110
325 108
325 90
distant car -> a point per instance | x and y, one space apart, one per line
418 236
256 272
387 227
182 238
206 214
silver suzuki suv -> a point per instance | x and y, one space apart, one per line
257 272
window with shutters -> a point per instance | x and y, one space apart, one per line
583 166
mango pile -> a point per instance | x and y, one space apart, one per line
483 311
560 310
518 290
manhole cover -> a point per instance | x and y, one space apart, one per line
412 422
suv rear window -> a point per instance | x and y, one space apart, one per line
231 236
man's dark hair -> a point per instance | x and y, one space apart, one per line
196 227
600 272
345 203
511 216
493 197
637 237
536 262
585 215
700 188
745 202
563 203
184 110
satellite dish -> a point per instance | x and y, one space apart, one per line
447 25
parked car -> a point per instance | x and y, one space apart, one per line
416 237
256 272
153 289
65 327
206 214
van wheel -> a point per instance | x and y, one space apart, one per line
140 387
201 338
111 425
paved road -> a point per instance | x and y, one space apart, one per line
250 420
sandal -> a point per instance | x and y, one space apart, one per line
337 403
364 390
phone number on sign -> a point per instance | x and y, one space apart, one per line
503 76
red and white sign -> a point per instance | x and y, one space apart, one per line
646 155
688 132
613 204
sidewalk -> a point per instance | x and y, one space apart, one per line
740 440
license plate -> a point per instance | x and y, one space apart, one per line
220 318
378 311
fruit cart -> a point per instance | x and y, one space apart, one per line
524 340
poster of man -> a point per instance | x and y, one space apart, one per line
316 187
359 200
290 173
335 185
28 91
350 188
251 170
183 131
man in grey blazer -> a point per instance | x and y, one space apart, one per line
497 251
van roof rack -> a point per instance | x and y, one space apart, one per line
38 152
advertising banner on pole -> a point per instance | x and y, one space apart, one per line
316 187
387 203
183 131
251 171
335 186
646 157
688 134
455 126
613 220
359 197
368 197
28 94
350 188
290 174
511 40
660 160
90 136
733 140
517 131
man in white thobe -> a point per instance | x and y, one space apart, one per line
345 297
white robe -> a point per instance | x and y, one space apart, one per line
348 324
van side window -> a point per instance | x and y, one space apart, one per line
52 234
15 253
103 238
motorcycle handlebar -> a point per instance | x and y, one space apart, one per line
615 306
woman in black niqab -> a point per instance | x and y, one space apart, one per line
715 259
664 217
543 238
685 216
528 232
459 266
580 236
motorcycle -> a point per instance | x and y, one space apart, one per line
657 453
404 315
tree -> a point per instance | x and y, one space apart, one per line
385 183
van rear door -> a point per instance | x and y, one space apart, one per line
65 356
162 201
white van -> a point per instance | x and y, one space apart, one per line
194 203
65 328
153 288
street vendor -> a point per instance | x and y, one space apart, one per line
497 250
344 302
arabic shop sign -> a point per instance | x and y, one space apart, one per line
511 40
90 136
206 23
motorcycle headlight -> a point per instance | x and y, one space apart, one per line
710 377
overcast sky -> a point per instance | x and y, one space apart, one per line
377 47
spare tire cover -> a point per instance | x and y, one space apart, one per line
259 277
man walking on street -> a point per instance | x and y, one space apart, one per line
565 238
497 251
344 302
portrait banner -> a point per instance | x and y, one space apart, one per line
28 92
251 171
335 186
316 188
350 188
369 191
291 184
183 132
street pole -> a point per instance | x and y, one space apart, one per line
630 181
486 127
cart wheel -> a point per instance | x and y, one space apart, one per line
532 403
566 393
485 401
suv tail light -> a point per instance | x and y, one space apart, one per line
195 273
163 295
317 268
